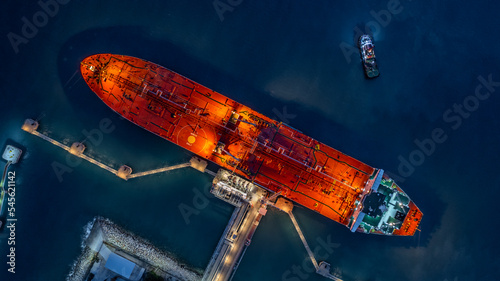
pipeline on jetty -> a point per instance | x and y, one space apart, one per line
311 255
323 268
124 172
249 199
160 170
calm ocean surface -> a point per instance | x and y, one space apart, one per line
294 61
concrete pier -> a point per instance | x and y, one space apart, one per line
283 205
234 241
241 227
224 245
160 170
198 164
77 150
30 125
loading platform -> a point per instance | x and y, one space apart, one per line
237 236
160 170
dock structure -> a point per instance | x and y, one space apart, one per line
323 268
124 172
223 247
239 231
77 149
283 205
249 199
311 255
159 170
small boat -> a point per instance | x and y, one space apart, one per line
366 48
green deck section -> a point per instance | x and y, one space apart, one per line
387 182
384 190
371 220
403 199
387 188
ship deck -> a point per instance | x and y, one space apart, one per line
207 123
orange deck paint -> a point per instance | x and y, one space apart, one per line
272 154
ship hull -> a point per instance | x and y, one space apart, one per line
269 153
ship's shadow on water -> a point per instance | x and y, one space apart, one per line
135 41
433 207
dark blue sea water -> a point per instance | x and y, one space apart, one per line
295 61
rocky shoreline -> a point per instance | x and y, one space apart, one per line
102 230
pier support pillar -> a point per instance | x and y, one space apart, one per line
324 270
30 125
198 164
124 172
77 148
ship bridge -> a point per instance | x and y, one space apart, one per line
387 210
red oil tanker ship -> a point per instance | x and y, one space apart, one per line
267 152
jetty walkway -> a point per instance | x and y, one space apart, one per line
124 172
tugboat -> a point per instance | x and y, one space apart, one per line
366 48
